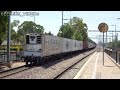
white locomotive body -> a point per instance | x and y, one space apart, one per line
39 46
32 48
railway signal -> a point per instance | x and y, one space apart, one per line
103 27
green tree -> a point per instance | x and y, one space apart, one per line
50 33
65 31
14 35
80 28
118 44
74 29
109 45
3 26
29 27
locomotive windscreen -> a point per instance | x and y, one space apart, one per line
27 39
33 39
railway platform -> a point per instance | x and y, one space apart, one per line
96 68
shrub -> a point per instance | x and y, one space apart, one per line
13 49
20 49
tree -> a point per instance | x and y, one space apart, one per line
50 33
29 27
14 35
109 45
118 44
65 31
3 26
80 28
74 29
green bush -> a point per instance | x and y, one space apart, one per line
21 49
13 49
2 48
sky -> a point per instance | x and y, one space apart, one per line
52 20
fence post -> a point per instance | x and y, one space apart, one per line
3 55
16 55
116 56
113 55
119 58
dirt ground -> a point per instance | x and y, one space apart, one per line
14 65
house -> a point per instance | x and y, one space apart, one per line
12 45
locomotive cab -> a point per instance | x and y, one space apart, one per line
32 49
33 42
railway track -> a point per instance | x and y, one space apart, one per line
13 71
16 71
64 71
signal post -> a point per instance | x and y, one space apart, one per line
103 27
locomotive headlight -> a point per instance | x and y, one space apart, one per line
39 50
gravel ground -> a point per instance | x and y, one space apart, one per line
70 74
48 71
14 65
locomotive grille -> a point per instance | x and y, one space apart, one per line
38 39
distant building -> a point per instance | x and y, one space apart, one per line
12 45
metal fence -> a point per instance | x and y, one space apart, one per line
14 56
114 54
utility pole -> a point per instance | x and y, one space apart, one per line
115 39
117 36
112 42
62 23
34 19
106 39
115 30
8 41
115 44
62 18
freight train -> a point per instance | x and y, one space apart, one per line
40 46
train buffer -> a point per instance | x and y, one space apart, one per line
94 68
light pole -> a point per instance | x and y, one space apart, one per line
62 18
115 36
115 43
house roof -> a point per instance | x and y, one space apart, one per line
11 43
5 42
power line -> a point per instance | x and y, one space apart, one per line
69 14
99 31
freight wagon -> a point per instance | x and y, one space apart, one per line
40 46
